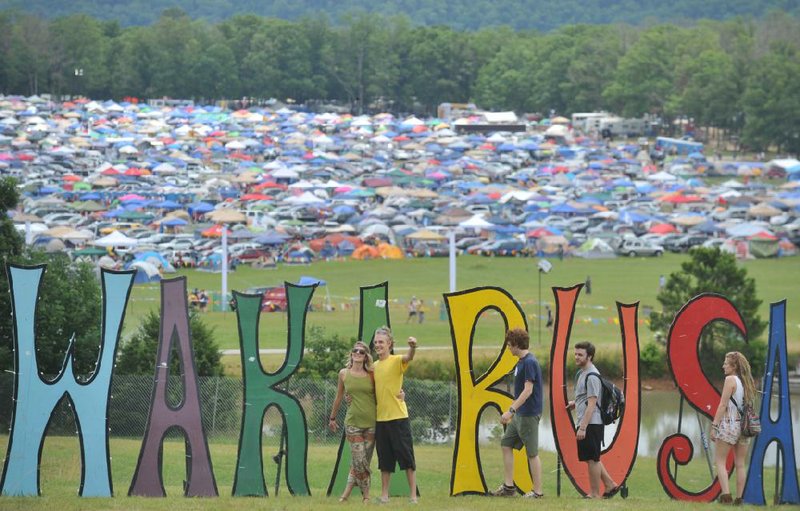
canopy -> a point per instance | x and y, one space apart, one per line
305 280
116 239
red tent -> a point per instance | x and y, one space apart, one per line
663 229
256 196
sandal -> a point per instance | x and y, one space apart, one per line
613 491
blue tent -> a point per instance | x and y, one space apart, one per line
305 280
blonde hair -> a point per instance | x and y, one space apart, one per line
367 357
742 369
385 330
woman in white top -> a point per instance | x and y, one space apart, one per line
726 428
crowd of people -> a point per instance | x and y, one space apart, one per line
199 299
378 418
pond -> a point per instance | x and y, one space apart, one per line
660 415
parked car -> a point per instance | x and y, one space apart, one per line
684 243
252 255
273 298
428 249
504 248
636 247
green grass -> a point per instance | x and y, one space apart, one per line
626 280
60 479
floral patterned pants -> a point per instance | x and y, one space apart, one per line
362 445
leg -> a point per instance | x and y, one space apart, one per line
606 478
740 458
348 488
385 479
411 474
721 450
360 457
508 466
594 478
535 465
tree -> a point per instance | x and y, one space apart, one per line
137 355
772 103
713 271
645 76
68 307
10 248
326 354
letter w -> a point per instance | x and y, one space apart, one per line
35 399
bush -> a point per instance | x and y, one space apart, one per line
653 361
137 355
326 354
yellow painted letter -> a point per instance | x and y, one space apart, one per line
475 394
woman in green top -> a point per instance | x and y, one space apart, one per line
357 380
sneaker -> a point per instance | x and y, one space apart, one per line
504 491
533 495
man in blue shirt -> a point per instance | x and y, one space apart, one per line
522 418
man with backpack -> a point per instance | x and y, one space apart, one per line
588 391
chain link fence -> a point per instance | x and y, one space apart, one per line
432 406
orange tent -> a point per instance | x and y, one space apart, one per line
214 231
388 251
366 252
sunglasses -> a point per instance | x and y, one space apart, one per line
359 351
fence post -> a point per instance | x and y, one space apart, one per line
450 410
216 398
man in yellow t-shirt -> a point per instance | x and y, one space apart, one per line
393 429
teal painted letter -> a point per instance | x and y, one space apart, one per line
35 399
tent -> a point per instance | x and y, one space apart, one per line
366 252
116 239
595 248
145 272
426 235
387 251
763 245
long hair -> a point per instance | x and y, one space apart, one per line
742 369
367 357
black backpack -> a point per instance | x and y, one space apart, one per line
611 402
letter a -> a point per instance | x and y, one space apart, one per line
148 480
35 399
476 394
260 392
779 431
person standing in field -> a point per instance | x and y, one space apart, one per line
393 429
522 418
738 390
590 424
358 381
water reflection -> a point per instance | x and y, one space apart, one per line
660 414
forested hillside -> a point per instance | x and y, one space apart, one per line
459 14
739 75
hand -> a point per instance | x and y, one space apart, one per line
402 395
581 434
348 398
412 342
506 418
333 426
571 405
